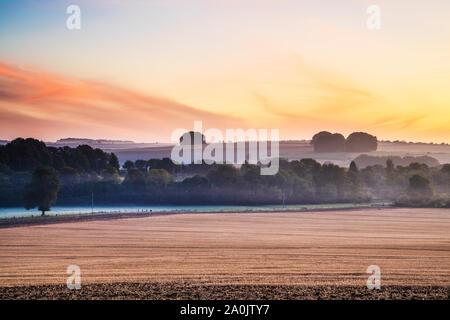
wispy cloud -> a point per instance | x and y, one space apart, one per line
401 122
320 92
34 97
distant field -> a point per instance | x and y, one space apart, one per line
332 248
301 150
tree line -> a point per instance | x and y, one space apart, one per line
37 176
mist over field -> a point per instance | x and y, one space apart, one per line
229 150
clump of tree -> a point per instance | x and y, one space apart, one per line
25 155
43 189
179 171
361 142
417 185
80 170
325 141
365 160
418 193
193 137
420 189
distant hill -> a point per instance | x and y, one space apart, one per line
416 143
103 144
92 141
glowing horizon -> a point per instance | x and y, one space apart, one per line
141 69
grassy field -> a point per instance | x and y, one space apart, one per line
330 248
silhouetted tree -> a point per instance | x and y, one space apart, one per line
141 165
419 189
354 179
196 182
135 179
114 161
353 173
311 165
26 154
159 178
361 142
224 175
129 165
390 173
326 142
192 137
69 175
328 193
43 189
251 173
111 174
318 135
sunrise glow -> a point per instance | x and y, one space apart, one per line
139 71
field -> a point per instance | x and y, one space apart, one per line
254 255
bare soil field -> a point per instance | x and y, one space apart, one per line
189 291
303 254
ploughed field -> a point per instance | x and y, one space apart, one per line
233 255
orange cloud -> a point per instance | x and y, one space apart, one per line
49 106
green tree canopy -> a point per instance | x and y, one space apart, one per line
224 175
159 178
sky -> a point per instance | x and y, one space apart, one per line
140 69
